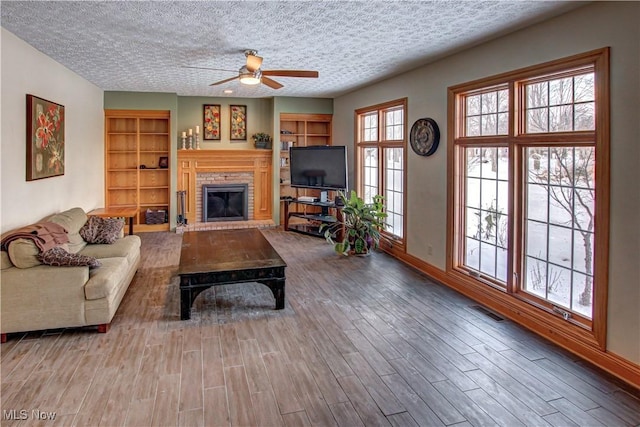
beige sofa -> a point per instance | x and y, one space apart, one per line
38 296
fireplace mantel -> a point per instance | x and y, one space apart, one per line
192 162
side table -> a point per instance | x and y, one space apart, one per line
122 212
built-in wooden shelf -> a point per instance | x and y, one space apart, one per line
300 130
134 138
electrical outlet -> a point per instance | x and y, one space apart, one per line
429 250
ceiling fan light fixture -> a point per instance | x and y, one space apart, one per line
250 74
253 60
249 78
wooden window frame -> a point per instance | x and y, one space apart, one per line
389 242
573 332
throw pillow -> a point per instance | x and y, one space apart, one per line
102 230
60 258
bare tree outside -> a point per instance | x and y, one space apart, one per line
524 182
573 169
563 174
566 173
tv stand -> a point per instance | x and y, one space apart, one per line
313 220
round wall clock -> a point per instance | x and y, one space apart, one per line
424 137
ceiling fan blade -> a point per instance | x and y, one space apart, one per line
290 73
271 83
253 62
207 68
223 81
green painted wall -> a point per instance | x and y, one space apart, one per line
140 101
259 114
287 104
263 115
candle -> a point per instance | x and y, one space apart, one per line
184 134
190 132
197 129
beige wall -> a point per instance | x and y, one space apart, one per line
27 71
594 26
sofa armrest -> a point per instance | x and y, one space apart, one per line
43 297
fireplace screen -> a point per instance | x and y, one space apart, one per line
225 202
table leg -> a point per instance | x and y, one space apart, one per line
286 215
277 288
131 225
185 304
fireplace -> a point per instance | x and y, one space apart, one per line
203 167
225 202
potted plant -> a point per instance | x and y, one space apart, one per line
362 223
261 140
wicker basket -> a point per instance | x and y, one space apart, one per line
155 216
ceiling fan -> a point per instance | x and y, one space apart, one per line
251 74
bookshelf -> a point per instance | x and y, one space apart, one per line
135 143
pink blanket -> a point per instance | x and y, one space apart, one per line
45 235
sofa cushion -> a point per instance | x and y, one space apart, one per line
128 246
72 220
61 258
102 230
107 279
24 253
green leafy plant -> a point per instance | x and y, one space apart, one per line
261 140
362 224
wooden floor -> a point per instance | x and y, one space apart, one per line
361 341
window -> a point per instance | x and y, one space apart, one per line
380 145
528 177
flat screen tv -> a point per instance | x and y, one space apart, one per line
320 167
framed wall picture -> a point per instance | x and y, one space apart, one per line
238 115
211 122
45 138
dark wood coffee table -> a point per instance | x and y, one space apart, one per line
223 257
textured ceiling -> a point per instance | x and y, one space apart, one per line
144 46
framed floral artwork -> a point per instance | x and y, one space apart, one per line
211 122
238 122
45 138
